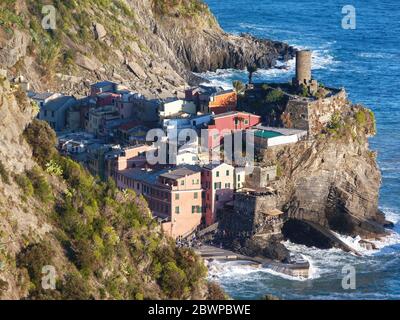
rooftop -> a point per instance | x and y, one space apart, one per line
218 93
103 84
180 173
43 96
232 113
59 102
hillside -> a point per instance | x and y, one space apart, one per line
102 243
149 45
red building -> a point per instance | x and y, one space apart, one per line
107 99
227 122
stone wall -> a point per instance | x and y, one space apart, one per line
260 177
249 217
314 115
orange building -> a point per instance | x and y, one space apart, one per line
223 101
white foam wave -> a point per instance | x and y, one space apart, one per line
377 55
391 215
238 270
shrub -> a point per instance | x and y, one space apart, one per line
25 184
75 288
42 138
238 86
274 96
215 292
4 174
304 91
173 280
41 188
53 168
361 118
34 258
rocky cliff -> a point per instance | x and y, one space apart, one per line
151 46
333 179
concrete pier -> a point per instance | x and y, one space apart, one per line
208 252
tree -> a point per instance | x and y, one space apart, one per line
238 86
42 139
251 69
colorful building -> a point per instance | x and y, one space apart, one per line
229 122
218 182
174 196
222 102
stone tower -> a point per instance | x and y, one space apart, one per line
303 71
303 66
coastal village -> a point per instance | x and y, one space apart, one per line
107 131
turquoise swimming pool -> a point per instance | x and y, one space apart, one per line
266 134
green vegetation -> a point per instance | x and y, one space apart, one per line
8 18
251 69
101 228
183 7
335 123
239 86
304 91
274 96
356 124
25 184
34 257
41 188
4 174
42 139
74 21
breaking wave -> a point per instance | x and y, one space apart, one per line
322 59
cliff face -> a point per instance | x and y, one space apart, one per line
149 45
333 179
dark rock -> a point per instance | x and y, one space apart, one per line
276 251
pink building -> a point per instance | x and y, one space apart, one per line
218 182
174 196
229 122
128 158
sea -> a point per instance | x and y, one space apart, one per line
363 55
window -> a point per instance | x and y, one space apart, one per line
176 196
238 177
217 198
246 121
52 114
217 185
217 173
227 185
196 195
177 210
182 182
227 173
193 209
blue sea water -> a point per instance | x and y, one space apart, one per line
366 61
